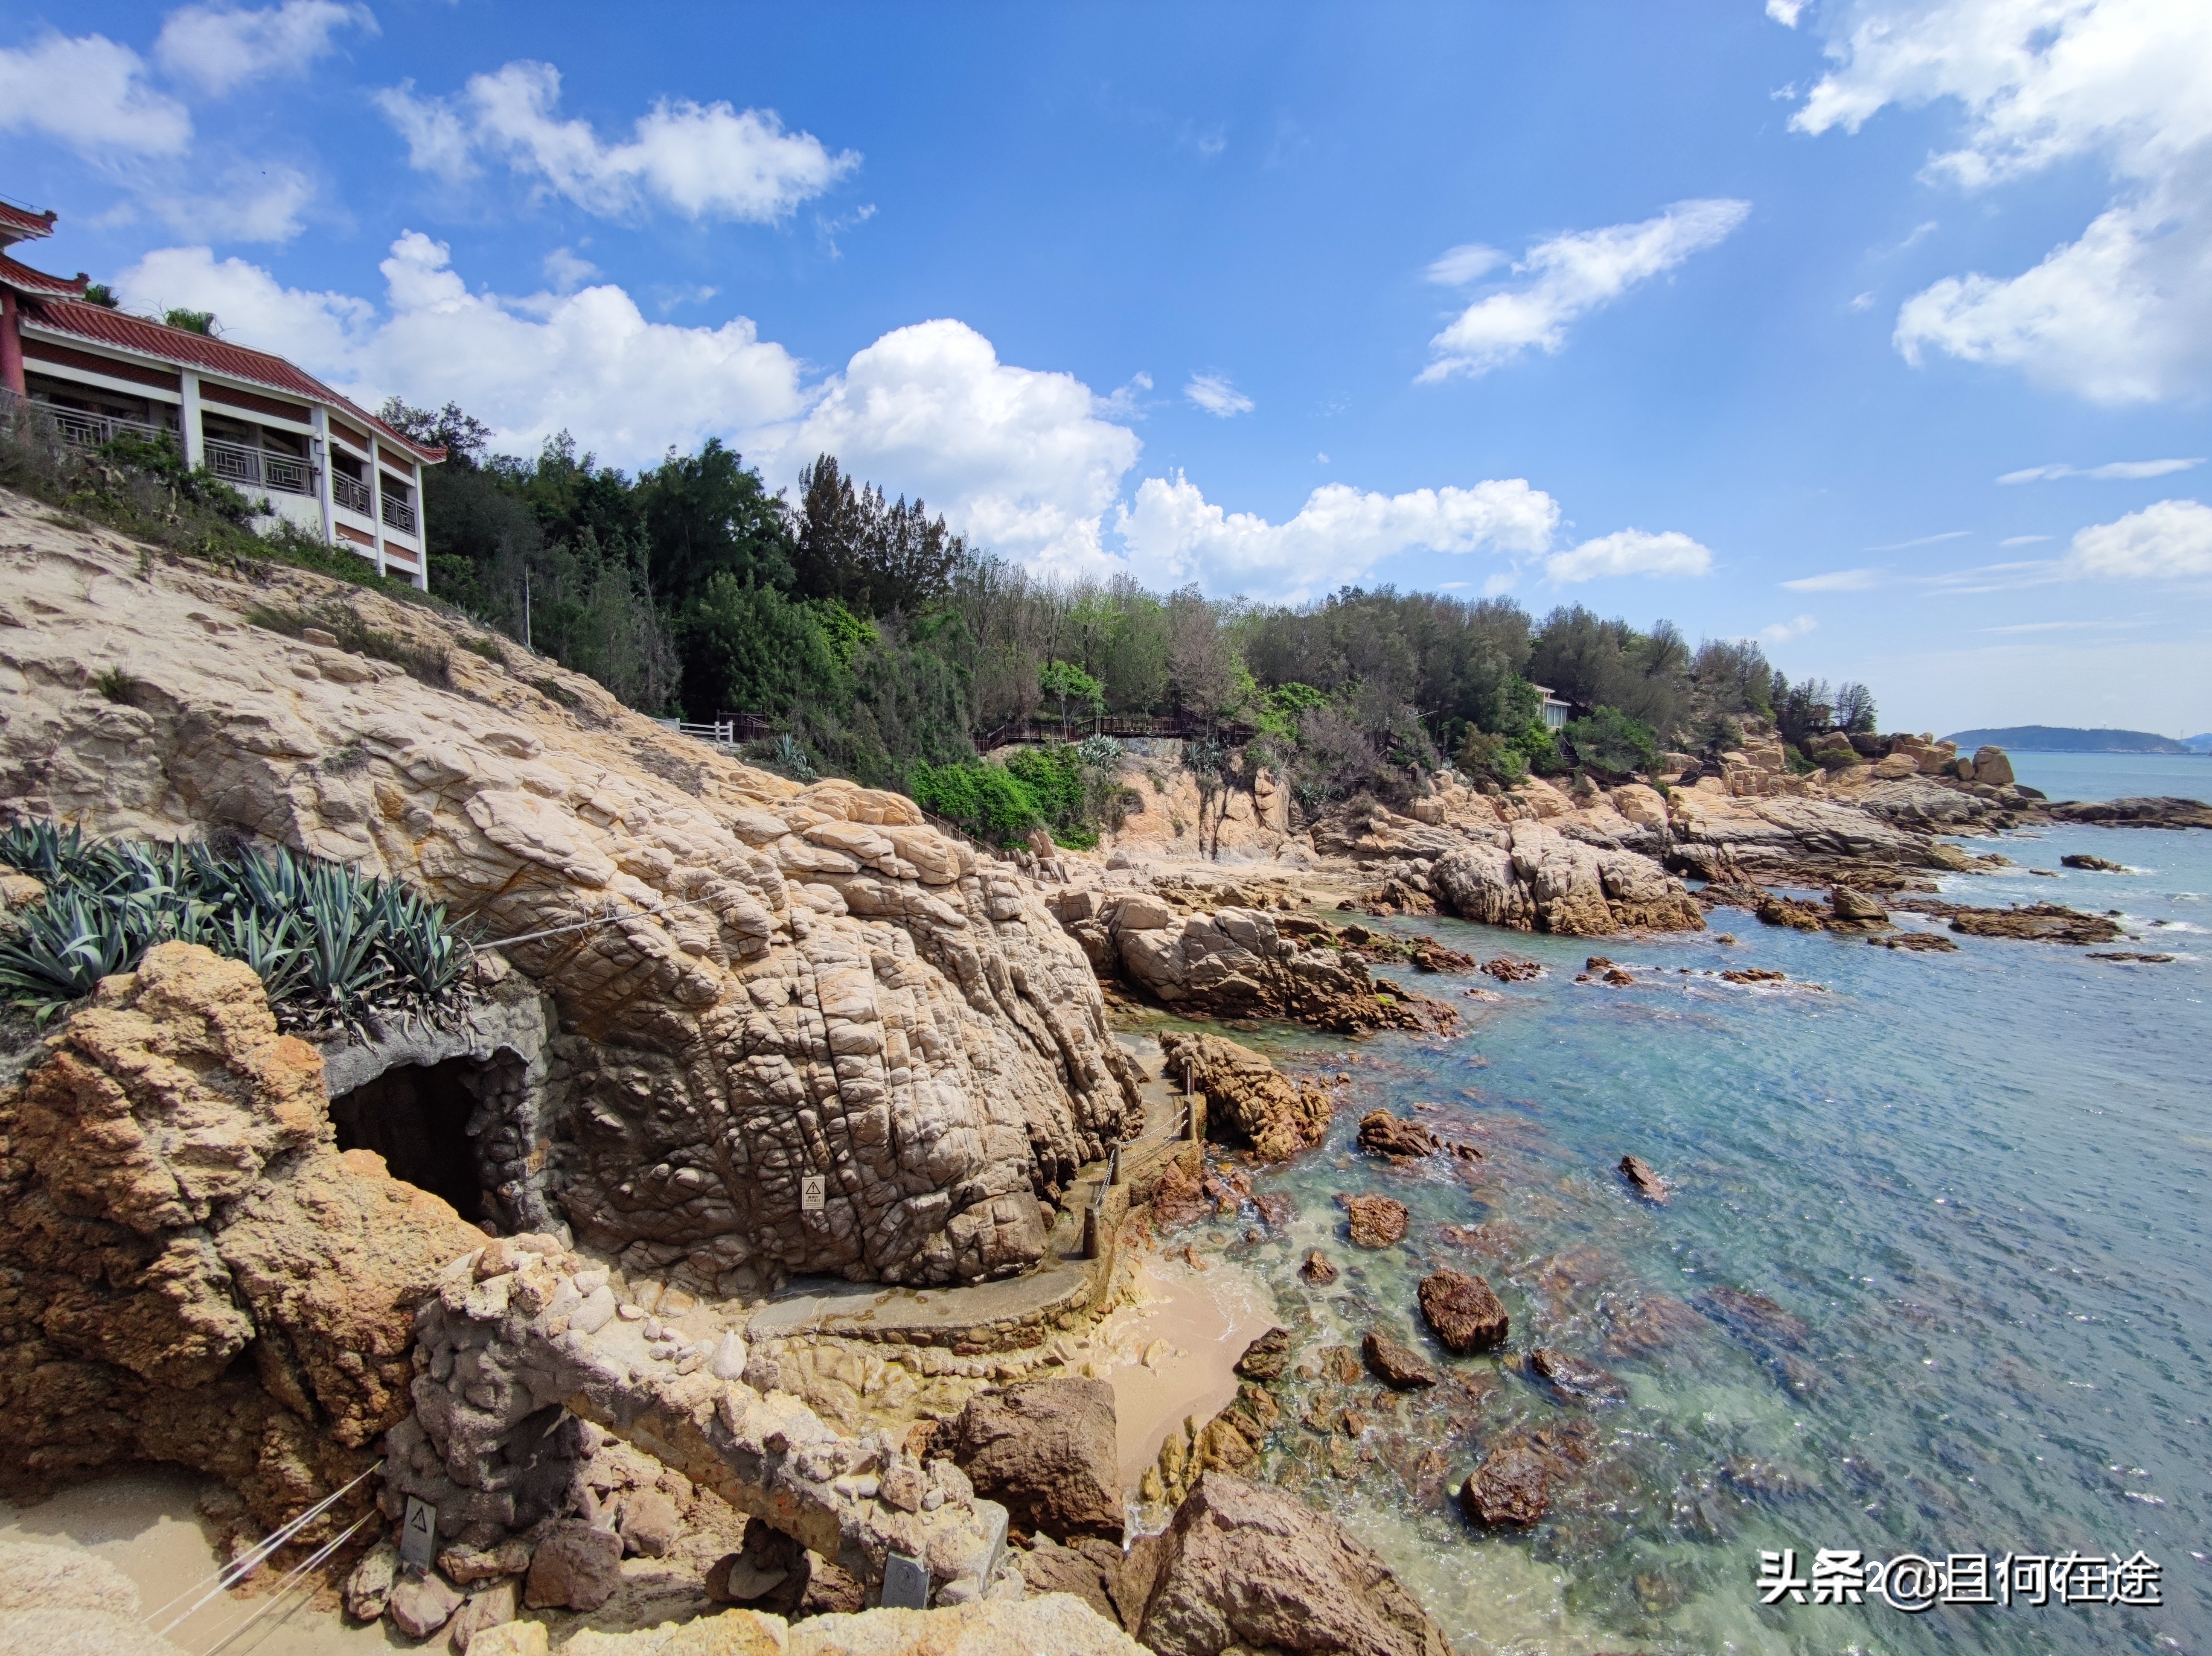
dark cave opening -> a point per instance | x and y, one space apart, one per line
417 1118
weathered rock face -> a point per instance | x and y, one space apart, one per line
197 1273
1533 877
786 984
526 1360
1251 1567
1462 1311
1375 1221
1247 1096
1236 962
1045 1451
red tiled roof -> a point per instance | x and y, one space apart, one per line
24 223
24 279
157 339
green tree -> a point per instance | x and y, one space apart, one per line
1063 682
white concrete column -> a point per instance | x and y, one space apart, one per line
376 498
422 531
322 459
188 422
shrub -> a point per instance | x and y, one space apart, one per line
985 800
1837 758
117 683
336 949
1483 753
1611 742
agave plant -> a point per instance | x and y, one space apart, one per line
46 850
58 952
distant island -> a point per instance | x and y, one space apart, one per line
2063 739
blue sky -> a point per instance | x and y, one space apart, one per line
1730 314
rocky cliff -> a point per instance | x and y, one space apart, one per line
193 1271
775 982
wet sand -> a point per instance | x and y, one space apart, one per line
145 1525
1206 1318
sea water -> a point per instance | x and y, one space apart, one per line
1933 1278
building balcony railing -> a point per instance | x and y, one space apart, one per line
352 494
260 468
82 430
398 514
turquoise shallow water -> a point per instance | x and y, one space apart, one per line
1969 1190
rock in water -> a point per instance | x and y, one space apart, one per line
2092 864
1317 1268
1046 1449
1572 1376
1252 1566
1376 1222
1510 1487
1397 1366
1382 1133
1855 908
1463 1312
1641 1174
1267 1357
577 1567
1533 877
1247 1098
1234 963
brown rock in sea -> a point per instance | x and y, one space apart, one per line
1382 1133
1533 877
1572 1376
2083 860
1641 1174
1462 1311
1234 963
1251 1567
1510 1486
1046 1449
1267 1357
2037 922
1247 1096
1508 969
1916 942
1397 1366
1851 911
1375 1221
1317 1268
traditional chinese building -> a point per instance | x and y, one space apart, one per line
298 449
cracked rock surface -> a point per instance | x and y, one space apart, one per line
783 982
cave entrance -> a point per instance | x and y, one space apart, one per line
417 1118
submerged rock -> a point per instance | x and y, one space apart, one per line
1317 1268
1247 1096
1397 1366
1572 1376
1646 1177
2092 864
1511 1487
1462 1311
2038 923
1382 1133
1375 1221
1267 1357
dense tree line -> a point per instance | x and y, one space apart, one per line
883 645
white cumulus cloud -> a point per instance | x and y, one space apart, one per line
587 362
1783 631
221 47
705 161
92 94
1173 533
1215 394
1022 462
2124 312
1630 552
1569 274
2170 540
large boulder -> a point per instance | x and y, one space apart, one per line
1992 769
1246 1566
757 982
197 1273
1247 1098
1236 962
1462 1311
1534 878
1047 1451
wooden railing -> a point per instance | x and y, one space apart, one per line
1173 725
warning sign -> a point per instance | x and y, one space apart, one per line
813 1193
418 1535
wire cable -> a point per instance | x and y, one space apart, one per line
239 1568
283 1588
